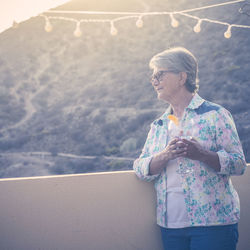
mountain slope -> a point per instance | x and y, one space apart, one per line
92 96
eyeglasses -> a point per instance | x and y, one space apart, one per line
159 76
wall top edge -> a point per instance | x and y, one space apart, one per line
66 175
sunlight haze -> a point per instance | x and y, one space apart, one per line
15 10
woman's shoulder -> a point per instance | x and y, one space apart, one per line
208 106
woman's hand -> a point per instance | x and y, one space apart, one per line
176 148
194 151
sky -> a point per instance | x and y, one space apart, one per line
21 10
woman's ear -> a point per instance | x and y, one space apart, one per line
183 77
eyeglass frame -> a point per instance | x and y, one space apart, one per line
157 76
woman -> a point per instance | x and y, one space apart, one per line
191 162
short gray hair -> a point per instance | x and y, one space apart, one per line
178 59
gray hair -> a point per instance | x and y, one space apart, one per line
177 60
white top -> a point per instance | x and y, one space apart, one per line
177 216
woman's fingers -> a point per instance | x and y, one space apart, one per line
193 148
174 141
177 149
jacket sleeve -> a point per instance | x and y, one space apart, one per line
141 164
231 156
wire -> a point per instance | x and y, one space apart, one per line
140 15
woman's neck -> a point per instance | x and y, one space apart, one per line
180 103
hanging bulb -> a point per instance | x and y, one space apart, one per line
113 30
48 27
139 22
174 22
15 25
228 33
197 27
78 32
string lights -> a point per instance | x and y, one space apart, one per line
78 32
197 27
139 22
228 33
174 22
113 30
48 27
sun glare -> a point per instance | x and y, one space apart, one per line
17 11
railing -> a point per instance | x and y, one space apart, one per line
102 211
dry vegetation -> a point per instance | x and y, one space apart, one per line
92 96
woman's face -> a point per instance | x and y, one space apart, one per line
166 84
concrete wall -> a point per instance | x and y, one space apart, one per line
104 211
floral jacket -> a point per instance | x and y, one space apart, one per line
210 197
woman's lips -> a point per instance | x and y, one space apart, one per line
159 89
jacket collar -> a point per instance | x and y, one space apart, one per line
194 104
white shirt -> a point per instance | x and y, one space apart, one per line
177 216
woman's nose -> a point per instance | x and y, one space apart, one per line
155 82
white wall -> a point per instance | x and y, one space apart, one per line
105 211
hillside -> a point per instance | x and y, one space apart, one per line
91 96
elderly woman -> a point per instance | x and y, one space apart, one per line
190 152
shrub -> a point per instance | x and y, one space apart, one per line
128 145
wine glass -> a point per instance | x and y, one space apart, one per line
186 133
177 130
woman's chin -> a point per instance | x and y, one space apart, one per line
161 97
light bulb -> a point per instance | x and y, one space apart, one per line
139 23
48 27
77 32
228 33
174 22
113 30
197 27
